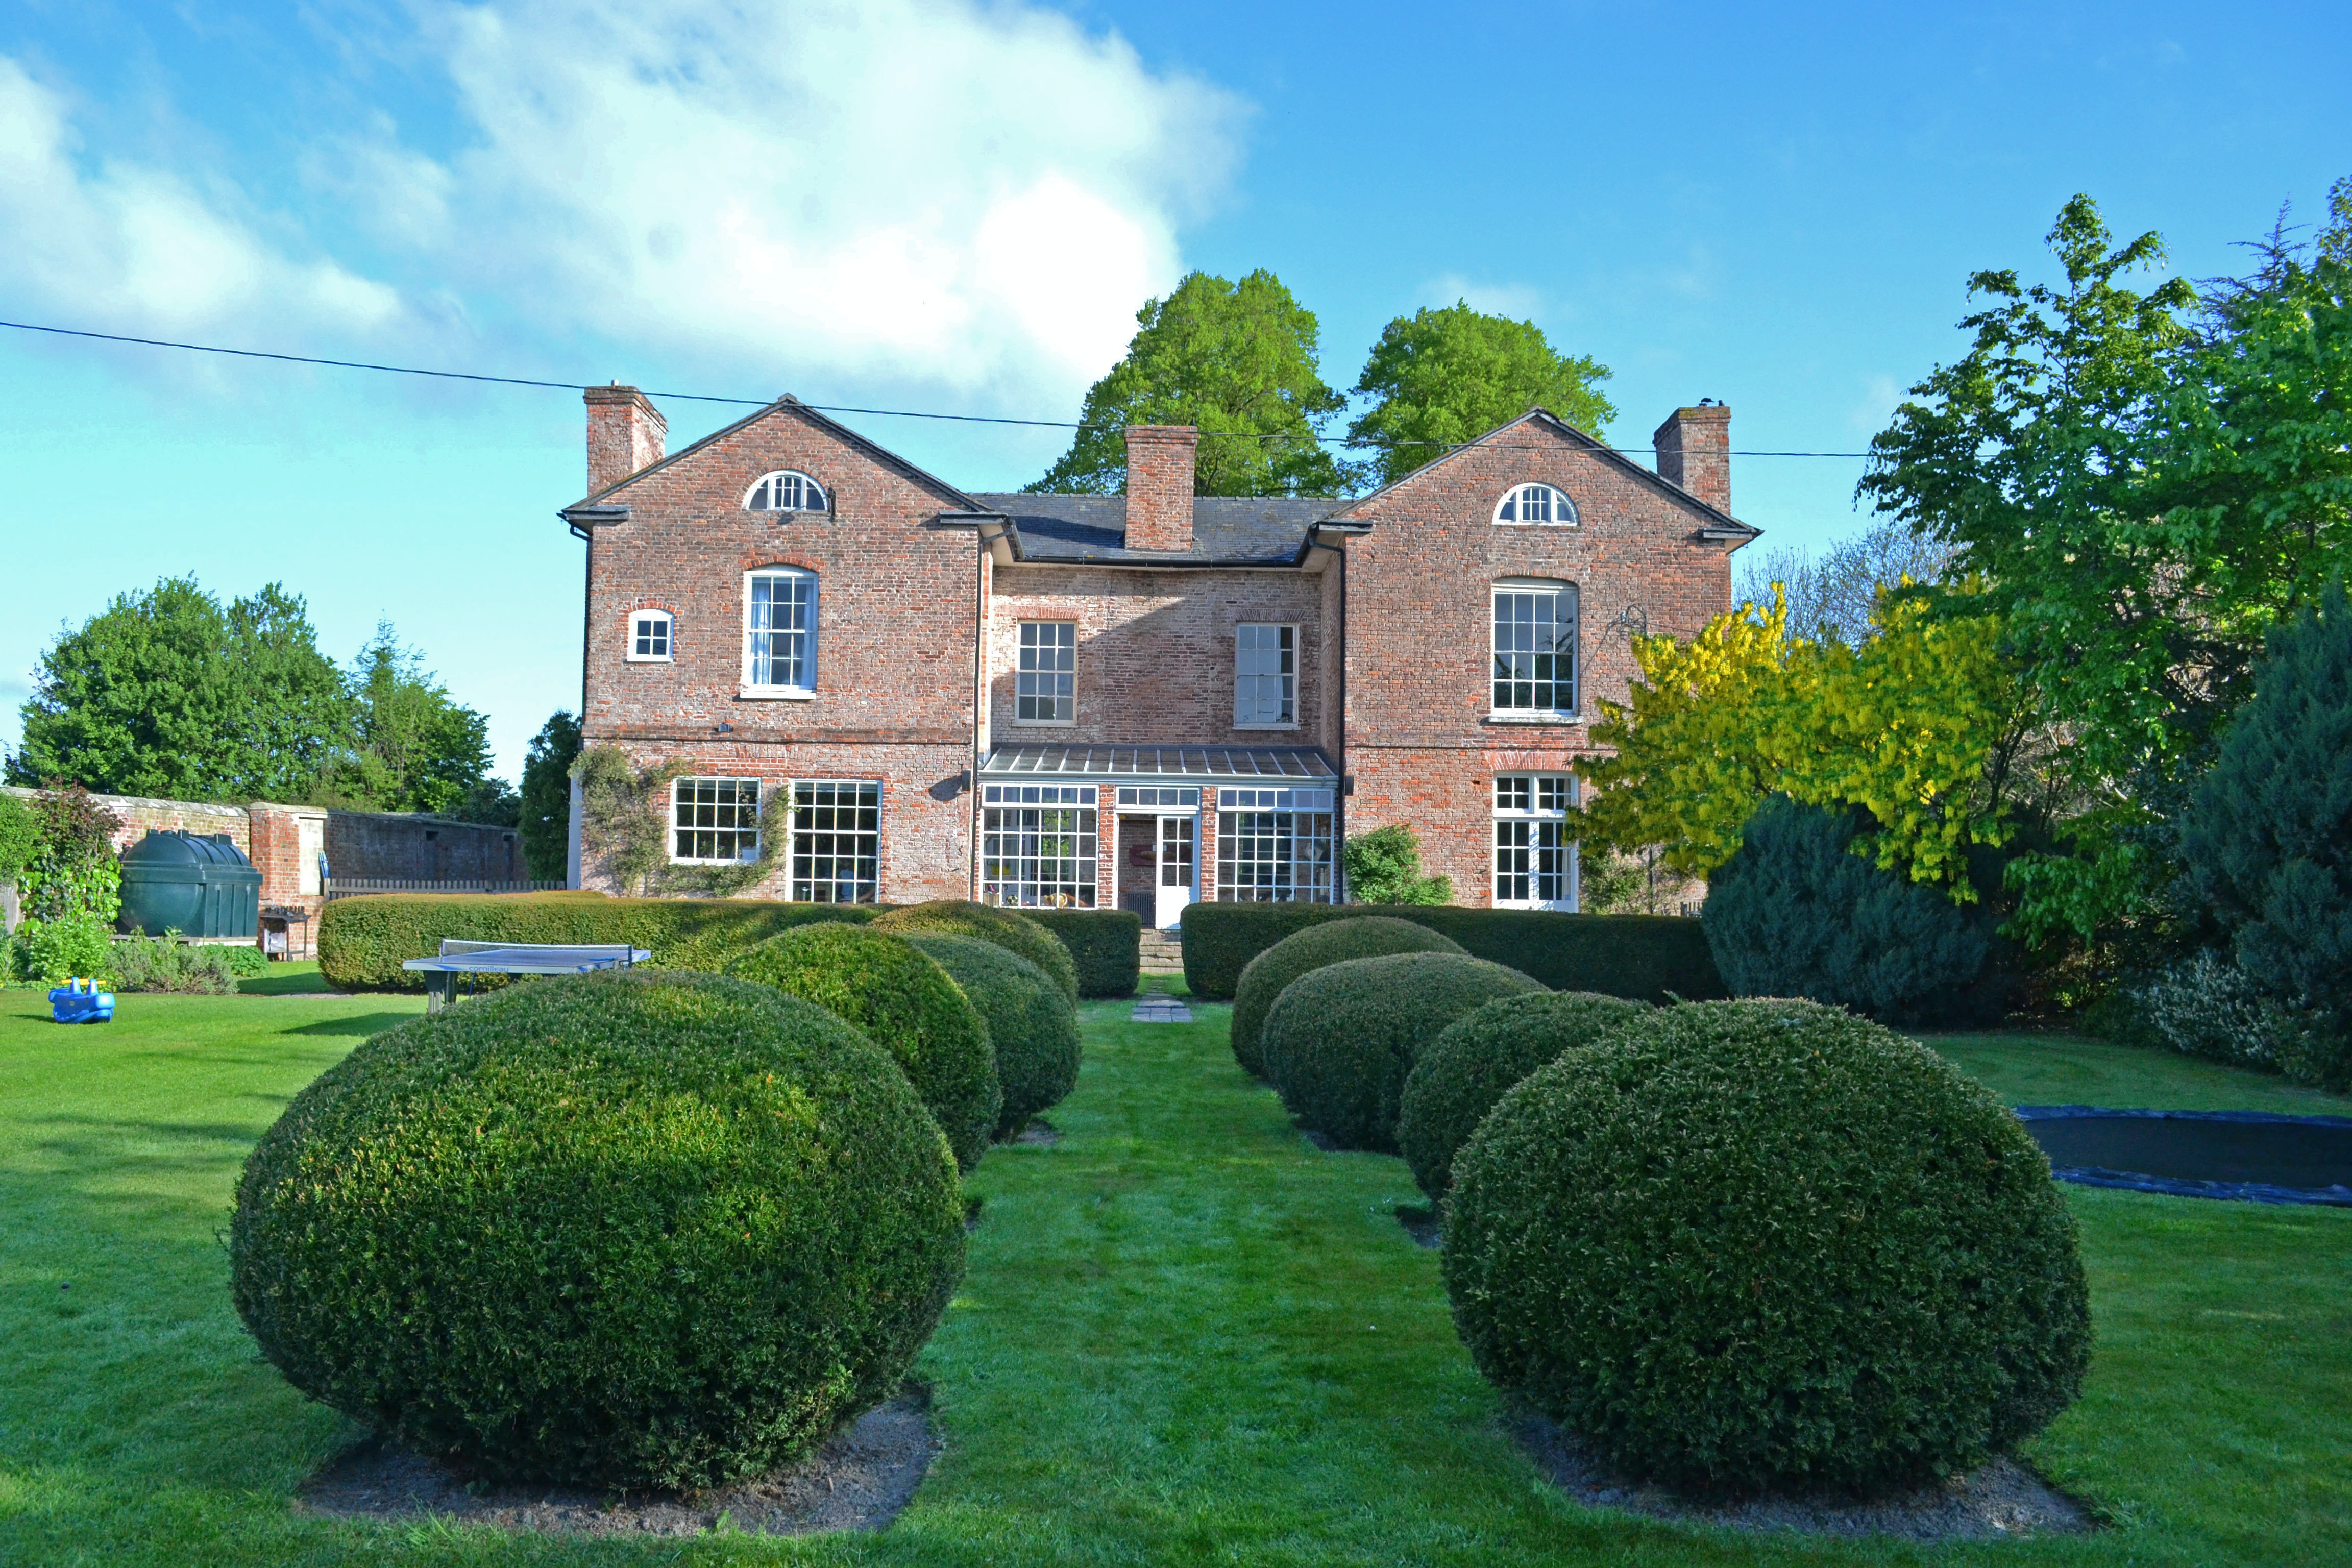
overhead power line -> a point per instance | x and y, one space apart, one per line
760 402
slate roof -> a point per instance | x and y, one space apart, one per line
1227 531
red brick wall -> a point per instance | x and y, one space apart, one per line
1694 448
1159 486
1420 739
1155 654
626 432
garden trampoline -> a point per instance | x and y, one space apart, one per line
510 958
2252 1155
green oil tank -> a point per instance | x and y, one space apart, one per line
195 885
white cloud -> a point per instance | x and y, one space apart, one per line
1519 301
920 192
129 246
1878 404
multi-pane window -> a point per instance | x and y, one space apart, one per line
836 841
649 635
714 821
785 491
1541 504
1265 675
1534 860
1037 845
1273 846
1046 690
781 630
1535 647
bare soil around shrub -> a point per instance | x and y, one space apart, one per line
858 1479
2000 1501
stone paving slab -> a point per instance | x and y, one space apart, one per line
1159 1008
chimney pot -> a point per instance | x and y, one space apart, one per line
1694 448
626 433
1159 486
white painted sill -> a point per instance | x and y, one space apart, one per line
1291 726
773 694
1046 723
1521 716
648 658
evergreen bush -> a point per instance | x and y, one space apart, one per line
629 1229
1105 946
1302 951
166 964
363 942
2269 837
1739 1245
1458 1078
1031 1025
907 1004
1008 929
1342 1040
1797 913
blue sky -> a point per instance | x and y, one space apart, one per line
920 204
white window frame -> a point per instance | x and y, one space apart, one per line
1291 843
682 787
807 689
1024 645
1248 683
1562 594
795 490
1040 846
863 798
1535 506
638 619
1531 813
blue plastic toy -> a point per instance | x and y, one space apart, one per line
82 1002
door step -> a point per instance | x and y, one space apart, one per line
1162 953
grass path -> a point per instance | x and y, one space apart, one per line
1185 1337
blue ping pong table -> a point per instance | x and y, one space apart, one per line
471 958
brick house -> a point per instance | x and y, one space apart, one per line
1126 702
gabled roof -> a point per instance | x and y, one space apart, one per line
1716 518
954 498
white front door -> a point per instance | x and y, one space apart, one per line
1176 869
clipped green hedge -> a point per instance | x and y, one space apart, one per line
1478 1059
1309 948
907 1004
1643 957
1767 1244
1105 946
362 941
1031 1027
619 1230
1342 1040
1011 929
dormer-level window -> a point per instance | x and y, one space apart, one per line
1542 504
787 489
649 637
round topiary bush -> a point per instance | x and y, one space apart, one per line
1302 951
1032 1026
620 1230
1796 913
1464 1071
907 1004
1008 929
1341 1039
1757 1244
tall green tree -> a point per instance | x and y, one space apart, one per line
1238 360
1441 377
2142 486
169 692
414 747
546 807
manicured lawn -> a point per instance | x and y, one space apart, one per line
1185 1337
2067 1070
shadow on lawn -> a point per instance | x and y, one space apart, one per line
362 1024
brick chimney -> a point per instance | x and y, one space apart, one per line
626 432
1159 486
1695 452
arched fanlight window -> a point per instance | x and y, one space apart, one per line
787 489
1541 504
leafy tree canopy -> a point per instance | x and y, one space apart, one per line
169 692
1384 868
2139 486
545 807
413 747
1445 376
1238 360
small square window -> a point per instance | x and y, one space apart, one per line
649 636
